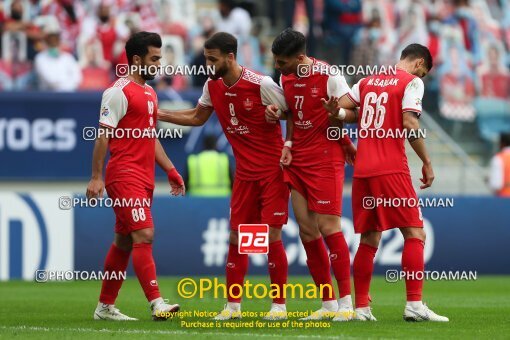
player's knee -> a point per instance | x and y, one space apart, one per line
123 242
371 238
234 238
143 235
418 233
307 235
275 234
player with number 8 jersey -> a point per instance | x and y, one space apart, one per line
259 196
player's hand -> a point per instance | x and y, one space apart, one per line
286 158
350 153
331 105
95 188
176 183
272 114
428 175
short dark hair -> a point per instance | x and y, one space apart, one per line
504 139
138 44
289 43
415 51
229 3
210 142
223 41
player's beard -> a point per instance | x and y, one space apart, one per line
219 72
145 74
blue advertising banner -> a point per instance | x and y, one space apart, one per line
191 237
42 135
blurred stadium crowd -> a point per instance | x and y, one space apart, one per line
74 45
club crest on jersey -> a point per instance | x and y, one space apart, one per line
234 121
315 91
300 115
248 104
105 111
151 121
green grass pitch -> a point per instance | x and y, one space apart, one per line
477 309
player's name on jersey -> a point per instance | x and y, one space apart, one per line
91 133
66 202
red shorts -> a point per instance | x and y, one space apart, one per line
263 201
321 185
131 217
379 203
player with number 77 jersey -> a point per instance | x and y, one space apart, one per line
390 105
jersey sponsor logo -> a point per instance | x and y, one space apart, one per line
279 213
228 94
248 104
299 85
303 124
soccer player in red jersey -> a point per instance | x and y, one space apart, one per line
391 103
239 97
130 104
314 168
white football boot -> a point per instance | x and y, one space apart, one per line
364 314
231 311
326 312
422 313
345 311
110 313
277 312
162 310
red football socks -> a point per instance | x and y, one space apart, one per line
318 264
145 270
116 262
413 265
363 267
278 268
236 268
340 262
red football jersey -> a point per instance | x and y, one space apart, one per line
133 108
382 100
240 108
303 95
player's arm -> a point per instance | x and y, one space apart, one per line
174 178
113 108
95 187
191 117
411 107
343 102
411 122
272 96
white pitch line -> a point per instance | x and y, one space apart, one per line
143 331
